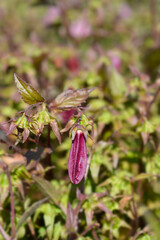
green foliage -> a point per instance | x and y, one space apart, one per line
144 237
28 213
84 65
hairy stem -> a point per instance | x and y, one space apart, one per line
4 234
89 228
12 204
136 220
151 103
154 21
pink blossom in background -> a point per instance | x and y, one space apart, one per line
125 11
77 158
115 60
81 28
52 15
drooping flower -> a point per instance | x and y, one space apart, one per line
77 158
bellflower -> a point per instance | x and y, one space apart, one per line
77 158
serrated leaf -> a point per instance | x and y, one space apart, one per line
71 98
29 212
28 93
48 189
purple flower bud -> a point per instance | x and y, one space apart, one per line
77 158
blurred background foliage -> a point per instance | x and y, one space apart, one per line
60 45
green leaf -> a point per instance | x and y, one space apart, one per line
144 237
48 189
95 171
153 165
146 127
55 128
42 232
142 176
3 188
153 222
84 121
57 231
28 93
29 212
21 232
117 84
49 212
22 122
105 117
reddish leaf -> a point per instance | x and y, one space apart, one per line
55 129
15 159
71 218
11 128
145 137
124 201
66 115
89 216
25 134
68 126
71 98
103 207
80 195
